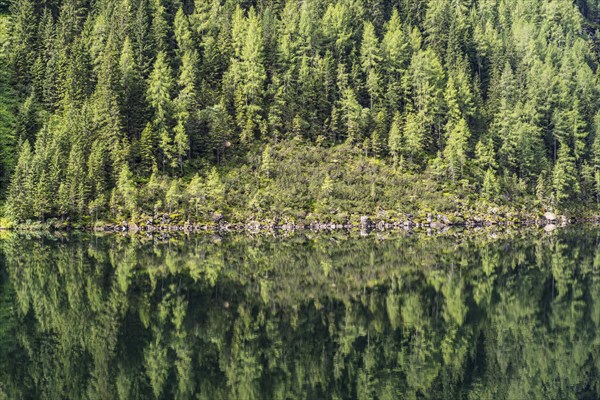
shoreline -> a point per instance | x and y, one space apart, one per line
434 222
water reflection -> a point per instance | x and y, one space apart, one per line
468 316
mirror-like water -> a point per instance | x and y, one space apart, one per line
465 316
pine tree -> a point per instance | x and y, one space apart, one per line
185 104
564 180
491 186
454 113
569 127
132 98
215 189
24 34
541 188
160 85
160 26
183 33
125 197
19 198
378 137
456 148
75 187
27 124
141 37
252 68
395 137
485 155
370 61
106 118
267 162
195 196
181 144
352 113
42 200
396 54
147 146
327 187
96 179
414 137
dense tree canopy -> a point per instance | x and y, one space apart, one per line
487 96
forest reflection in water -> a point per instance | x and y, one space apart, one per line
475 315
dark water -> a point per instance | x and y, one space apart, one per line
480 315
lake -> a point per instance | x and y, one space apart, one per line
479 314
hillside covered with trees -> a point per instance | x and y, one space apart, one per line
124 109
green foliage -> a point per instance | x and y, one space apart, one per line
267 162
20 190
159 96
124 196
564 181
491 186
456 149
9 121
432 87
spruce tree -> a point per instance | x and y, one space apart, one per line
370 61
160 85
267 162
20 191
24 34
456 149
132 93
395 137
564 180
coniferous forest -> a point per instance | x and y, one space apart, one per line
208 109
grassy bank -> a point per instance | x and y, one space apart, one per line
297 185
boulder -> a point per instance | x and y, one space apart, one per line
132 227
548 216
365 221
549 227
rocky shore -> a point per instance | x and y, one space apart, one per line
549 221
381 221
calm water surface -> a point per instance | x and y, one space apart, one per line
481 315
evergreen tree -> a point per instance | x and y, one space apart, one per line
253 76
148 144
20 191
456 148
395 138
185 104
564 180
183 33
414 137
370 61
267 162
132 100
194 193
24 34
491 187
160 85
124 196
160 26
396 55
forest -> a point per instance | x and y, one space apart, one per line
238 109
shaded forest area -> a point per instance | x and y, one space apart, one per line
129 109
